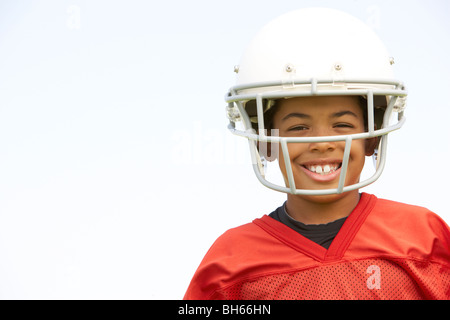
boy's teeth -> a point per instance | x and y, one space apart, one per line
323 169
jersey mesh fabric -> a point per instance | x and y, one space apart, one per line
361 279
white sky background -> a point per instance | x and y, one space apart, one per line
117 172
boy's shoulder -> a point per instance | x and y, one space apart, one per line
405 229
239 239
391 204
405 213
236 253
246 245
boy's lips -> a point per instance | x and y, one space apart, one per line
325 170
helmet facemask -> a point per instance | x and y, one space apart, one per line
266 144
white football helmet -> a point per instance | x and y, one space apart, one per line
313 52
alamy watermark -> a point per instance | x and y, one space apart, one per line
200 145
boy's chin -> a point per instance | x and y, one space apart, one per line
324 199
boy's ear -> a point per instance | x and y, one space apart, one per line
371 145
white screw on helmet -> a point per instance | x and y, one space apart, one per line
313 52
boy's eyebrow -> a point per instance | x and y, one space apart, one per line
343 113
306 116
296 114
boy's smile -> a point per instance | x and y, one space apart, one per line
318 165
322 170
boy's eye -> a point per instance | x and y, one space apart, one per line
298 128
343 125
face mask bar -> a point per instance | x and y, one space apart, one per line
272 91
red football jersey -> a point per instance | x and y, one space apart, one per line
384 250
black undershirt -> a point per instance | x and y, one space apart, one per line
322 234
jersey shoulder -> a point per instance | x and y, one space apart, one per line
411 217
406 230
239 253
219 264
247 242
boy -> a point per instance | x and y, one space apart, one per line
316 93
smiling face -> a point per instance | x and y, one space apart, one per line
318 165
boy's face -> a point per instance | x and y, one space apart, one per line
317 165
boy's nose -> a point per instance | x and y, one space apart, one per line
322 146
